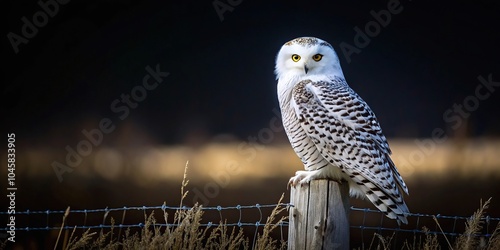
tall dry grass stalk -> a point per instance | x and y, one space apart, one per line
264 241
66 213
474 225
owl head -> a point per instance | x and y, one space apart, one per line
307 56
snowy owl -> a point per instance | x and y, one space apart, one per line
332 130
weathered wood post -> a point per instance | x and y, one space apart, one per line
319 218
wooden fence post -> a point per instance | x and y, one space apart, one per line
319 218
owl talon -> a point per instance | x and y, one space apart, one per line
301 177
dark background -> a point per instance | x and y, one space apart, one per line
221 72
221 82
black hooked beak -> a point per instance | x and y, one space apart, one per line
306 68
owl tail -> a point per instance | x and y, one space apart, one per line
390 203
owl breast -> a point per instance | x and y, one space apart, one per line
303 145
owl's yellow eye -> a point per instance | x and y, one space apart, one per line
295 57
317 57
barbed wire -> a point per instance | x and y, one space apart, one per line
106 211
417 217
364 219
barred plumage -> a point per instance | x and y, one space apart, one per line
332 130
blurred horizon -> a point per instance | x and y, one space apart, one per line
144 161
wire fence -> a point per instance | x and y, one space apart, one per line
87 213
364 221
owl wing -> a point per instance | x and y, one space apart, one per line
348 135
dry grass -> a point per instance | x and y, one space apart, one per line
469 240
188 234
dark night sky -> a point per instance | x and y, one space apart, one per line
221 78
